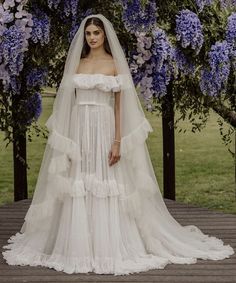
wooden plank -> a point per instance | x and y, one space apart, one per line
213 223
110 278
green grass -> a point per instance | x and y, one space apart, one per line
204 168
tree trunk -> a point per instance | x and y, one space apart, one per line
168 144
20 167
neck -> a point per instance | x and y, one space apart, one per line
97 53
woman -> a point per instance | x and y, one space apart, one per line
97 205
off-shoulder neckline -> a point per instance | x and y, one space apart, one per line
95 74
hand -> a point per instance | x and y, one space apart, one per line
114 154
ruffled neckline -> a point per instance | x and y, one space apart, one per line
102 82
96 74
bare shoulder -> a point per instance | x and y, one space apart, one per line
81 64
112 65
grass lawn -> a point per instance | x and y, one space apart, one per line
204 168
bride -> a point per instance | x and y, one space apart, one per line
97 206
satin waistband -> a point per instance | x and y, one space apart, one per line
93 103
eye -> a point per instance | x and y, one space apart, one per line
97 32
87 33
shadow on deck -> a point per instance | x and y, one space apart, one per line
210 222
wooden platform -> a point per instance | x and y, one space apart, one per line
214 223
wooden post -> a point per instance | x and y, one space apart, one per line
168 144
20 168
19 155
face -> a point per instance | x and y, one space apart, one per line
94 36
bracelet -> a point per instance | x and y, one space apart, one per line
117 141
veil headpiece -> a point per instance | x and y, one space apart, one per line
134 132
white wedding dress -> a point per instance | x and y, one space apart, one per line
92 227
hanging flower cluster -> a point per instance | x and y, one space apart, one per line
231 30
70 7
41 27
53 3
202 3
189 30
214 80
36 77
231 38
162 61
33 107
227 4
183 63
152 64
138 17
76 23
15 31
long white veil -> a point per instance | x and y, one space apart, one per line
142 199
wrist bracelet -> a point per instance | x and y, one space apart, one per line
117 141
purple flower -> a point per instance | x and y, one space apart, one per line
53 3
5 16
183 63
33 107
214 80
227 4
41 27
12 46
152 64
138 16
231 30
202 3
70 7
36 77
189 30
162 50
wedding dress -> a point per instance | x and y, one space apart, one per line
94 225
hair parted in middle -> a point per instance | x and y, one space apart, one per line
97 22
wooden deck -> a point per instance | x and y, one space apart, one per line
214 223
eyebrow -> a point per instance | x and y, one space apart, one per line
93 31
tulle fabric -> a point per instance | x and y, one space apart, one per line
102 218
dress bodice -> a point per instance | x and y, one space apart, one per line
95 88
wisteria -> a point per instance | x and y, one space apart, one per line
137 16
33 107
41 27
53 3
202 3
76 23
14 33
69 7
36 77
214 79
161 49
189 30
184 64
12 47
227 4
231 30
153 63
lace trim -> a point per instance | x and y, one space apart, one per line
63 186
63 144
80 187
15 255
137 136
102 82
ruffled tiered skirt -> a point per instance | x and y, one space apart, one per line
94 225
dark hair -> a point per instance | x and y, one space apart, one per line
97 22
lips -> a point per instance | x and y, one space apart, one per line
93 42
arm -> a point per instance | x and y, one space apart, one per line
114 154
117 116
